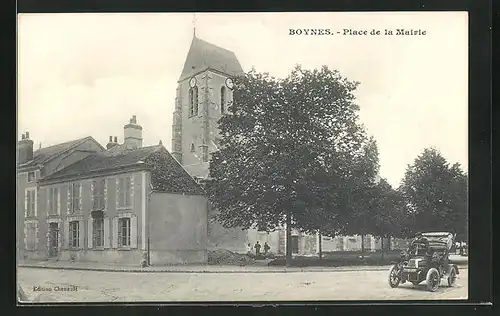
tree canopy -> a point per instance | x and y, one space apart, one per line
437 194
290 146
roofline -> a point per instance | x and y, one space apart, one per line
192 178
63 152
93 173
21 169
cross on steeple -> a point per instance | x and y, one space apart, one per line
194 24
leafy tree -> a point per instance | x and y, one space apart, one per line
287 147
389 213
437 194
360 193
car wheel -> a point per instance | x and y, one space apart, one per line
452 277
394 278
433 279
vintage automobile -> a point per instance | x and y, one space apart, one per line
427 259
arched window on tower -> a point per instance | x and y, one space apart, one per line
190 101
192 148
195 97
222 100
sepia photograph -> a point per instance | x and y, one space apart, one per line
239 157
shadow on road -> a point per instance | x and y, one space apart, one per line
422 288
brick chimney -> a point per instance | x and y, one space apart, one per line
112 143
25 149
133 134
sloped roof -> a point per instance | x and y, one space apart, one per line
104 162
203 55
168 175
43 155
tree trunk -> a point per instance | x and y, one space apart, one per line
288 238
319 244
382 248
362 244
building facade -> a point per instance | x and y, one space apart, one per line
121 204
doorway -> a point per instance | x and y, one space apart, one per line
53 240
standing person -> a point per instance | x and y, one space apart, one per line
249 249
266 248
257 248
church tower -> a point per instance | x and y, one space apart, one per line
204 90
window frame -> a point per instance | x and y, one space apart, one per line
223 99
191 102
98 194
31 236
195 101
71 238
98 232
33 179
124 192
31 202
53 201
127 228
75 199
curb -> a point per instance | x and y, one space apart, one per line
135 270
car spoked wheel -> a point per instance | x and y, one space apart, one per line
394 278
452 278
432 280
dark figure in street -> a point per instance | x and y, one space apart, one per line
266 248
257 248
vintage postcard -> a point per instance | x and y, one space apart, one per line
171 157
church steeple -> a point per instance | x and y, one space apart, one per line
203 55
201 100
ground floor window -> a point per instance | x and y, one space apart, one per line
74 234
98 232
31 231
124 232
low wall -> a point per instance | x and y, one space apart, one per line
178 257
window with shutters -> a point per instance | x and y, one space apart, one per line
30 202
53 201
30 236
124 232
124 192
74 234
98 232
74 197
98 200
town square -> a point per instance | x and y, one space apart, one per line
230 160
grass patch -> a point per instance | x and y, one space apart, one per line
341 258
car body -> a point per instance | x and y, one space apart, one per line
426 259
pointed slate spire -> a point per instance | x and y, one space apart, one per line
203 55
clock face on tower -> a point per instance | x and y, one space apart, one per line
229 83
192 82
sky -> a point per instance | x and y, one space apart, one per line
87 74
